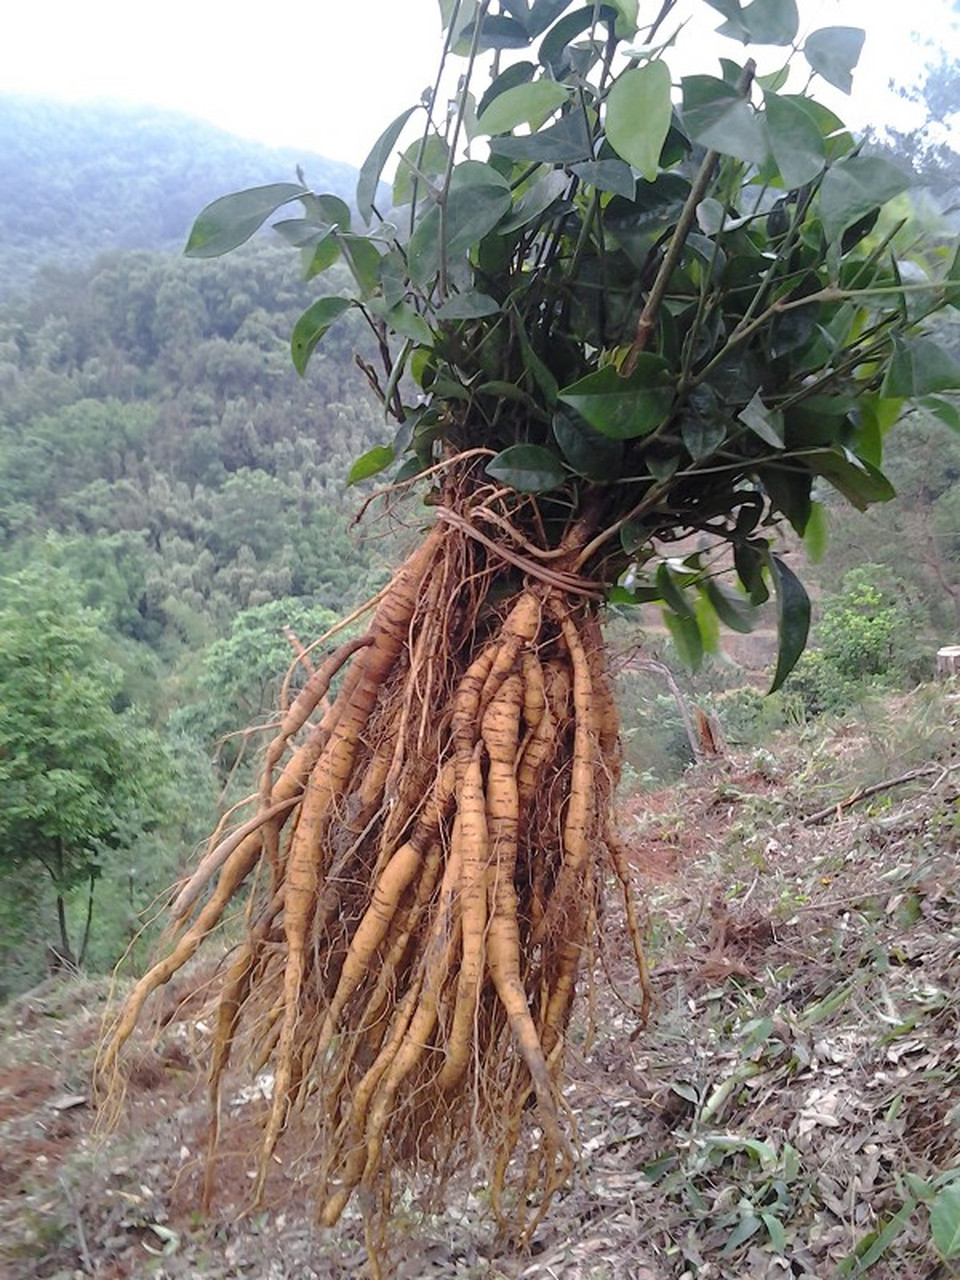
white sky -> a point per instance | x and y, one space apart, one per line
329 75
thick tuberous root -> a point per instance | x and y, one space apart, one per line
420 880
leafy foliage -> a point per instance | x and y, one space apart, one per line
690 283
150 432
80 780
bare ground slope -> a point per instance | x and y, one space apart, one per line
793 1110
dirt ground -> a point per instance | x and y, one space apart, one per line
793 1110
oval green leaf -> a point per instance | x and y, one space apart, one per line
370 463
717 116
471 212
638 116
624 408
372 167
920 367
764 22
588 453
794 140
793 618
469 305
685 634
945 1220
529 468
833 52
232 220
311 327
763 422
733 609
528 104
854 187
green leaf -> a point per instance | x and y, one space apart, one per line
638 116
876 1243
523 104
624 408
794 140
311 327
497 32
554 45
320 258
920 367
945 1220
535 201
703 425
371 463
529 468
469 305
608 175
419 161
565 142
327 210
854 187
793 618
733 609
945 410
747 1227
625 26
763 422
301 232
833 52
477 200
518 73
685 634
671 593
776 1232
372 167
588 453
717 116
764 22
816 534
535 367
951 295
363 258
232 220
749 558
405 320
543 13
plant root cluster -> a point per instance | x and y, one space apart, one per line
423 878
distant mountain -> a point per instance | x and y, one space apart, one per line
77 179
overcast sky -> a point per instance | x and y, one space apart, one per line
329 75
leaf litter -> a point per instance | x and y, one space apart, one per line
793 1110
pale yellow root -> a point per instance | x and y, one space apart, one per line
620 865
394 879
580 821
470 834
303 707
326 785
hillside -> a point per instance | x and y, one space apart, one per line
792 1108
79 179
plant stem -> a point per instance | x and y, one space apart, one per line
651 310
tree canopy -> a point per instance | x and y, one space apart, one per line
81 780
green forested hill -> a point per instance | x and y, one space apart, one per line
167 478
155 439
77 179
